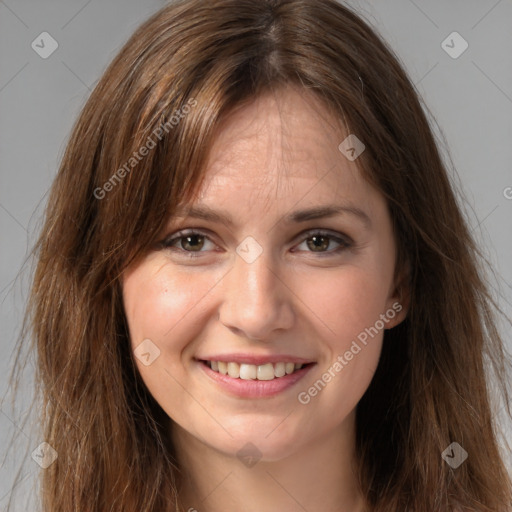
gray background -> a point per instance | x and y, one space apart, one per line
469 96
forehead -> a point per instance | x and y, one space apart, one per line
281 146
286 132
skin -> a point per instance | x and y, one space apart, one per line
271 157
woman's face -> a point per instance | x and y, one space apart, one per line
269 284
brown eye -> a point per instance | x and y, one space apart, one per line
192 242
318 242
187 242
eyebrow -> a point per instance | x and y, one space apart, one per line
319 212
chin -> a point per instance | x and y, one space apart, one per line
266 440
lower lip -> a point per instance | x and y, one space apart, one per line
255 388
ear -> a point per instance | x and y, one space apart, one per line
399 300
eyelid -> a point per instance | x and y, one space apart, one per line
182 233
344 241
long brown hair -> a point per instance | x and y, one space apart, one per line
173 82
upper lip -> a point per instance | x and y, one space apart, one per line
256 359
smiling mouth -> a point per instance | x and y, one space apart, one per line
268 371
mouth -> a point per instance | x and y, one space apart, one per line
263 380
243 371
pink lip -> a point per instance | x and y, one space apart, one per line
255 359
254 388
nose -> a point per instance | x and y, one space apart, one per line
256 300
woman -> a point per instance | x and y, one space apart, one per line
195 350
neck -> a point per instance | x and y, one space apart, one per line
319 476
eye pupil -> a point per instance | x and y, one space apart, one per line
194 242
316 239
187 239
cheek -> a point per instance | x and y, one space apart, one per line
348 304
345 301
158 302
160 306
352 312
334 394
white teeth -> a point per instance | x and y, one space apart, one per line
280 370
266 372
248 371
223 368
244 371
234 370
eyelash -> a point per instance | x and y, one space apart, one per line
167 243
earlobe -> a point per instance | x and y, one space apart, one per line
395 314
399 302
397 311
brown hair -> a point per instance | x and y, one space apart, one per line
180 73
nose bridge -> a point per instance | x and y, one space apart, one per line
254 298
257 278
